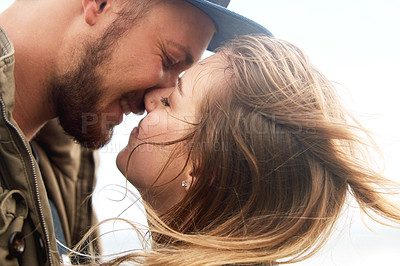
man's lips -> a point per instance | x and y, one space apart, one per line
126 109
132 102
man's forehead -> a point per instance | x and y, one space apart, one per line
228 24
184 27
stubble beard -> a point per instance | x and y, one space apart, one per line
78 93
77 96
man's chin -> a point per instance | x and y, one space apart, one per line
99 142
93 140
88 129
94 145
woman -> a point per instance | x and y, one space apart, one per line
250 159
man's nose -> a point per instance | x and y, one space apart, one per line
169 79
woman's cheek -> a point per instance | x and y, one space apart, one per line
146 164
149 125
156 128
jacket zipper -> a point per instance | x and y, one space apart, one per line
32 167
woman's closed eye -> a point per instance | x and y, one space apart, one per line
164 101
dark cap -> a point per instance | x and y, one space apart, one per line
228 23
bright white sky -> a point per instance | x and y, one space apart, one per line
356 44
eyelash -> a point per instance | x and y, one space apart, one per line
168 63
165 101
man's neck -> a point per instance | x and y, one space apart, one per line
31 110
36 41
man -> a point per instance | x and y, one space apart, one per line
81 65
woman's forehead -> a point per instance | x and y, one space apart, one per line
204 75
207 68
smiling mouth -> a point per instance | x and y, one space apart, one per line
132 102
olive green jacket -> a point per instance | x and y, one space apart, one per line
63 173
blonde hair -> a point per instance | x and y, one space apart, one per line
288 156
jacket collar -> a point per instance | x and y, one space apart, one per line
7 60
7 49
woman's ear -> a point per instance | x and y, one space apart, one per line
93 9
188 181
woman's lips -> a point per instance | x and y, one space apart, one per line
135 132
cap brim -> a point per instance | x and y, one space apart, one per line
228 23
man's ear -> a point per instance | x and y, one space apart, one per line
94 8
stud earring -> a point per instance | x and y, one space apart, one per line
184 183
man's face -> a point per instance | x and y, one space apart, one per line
117 69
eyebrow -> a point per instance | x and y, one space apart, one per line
188 56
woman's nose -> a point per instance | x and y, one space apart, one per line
164 88
152 98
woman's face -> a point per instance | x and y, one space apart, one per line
170 115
